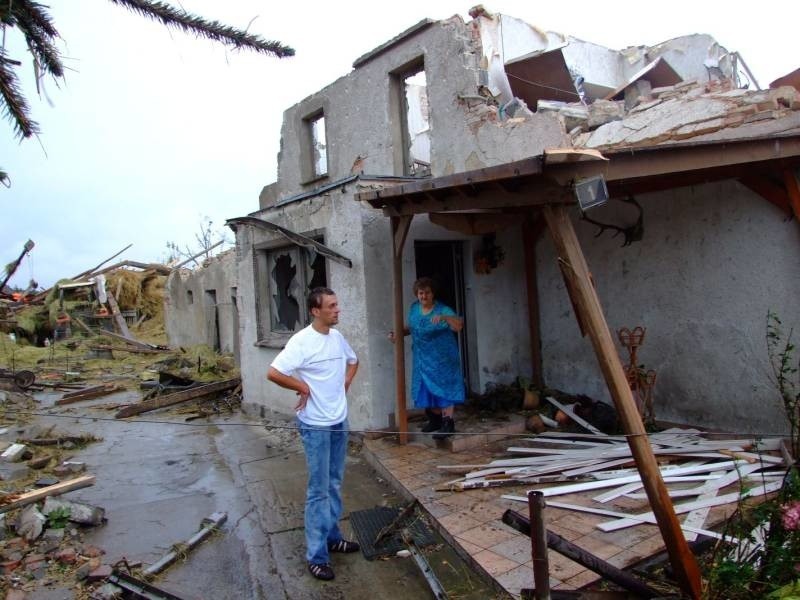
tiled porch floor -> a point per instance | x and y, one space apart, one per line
471 520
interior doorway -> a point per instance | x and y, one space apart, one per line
444 263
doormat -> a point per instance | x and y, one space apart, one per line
367 524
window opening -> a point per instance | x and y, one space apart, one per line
319 145
292 273
417 124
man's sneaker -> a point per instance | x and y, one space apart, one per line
448 428
343 546
434 421
323 572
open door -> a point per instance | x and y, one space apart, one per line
444 263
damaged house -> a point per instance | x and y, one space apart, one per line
435 157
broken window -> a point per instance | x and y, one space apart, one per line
189 297
291 272
417 125
317 145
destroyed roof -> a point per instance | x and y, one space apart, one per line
685 112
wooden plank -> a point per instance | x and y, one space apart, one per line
604 483
95 392
576 271
631 520
130 340
118 318
18 500
647 519
177 397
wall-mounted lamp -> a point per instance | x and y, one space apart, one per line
591 192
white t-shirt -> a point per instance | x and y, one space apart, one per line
321 361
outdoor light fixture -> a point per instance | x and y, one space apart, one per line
591 192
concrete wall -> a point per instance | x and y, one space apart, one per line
190 315
714 259
363 118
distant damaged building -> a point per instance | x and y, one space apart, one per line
437 155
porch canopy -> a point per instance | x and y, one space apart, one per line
539 191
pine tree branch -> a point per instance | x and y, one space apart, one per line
15 106
213 30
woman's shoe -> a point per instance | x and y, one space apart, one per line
447 429
434 421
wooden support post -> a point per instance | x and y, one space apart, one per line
530 234
400 227
541 565
587 305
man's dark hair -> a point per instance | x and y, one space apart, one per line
424 283
315 297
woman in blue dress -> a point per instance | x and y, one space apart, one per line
436 383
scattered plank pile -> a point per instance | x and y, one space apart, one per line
693 466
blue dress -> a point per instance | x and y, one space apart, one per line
436 381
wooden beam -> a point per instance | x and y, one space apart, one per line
769 190
635 163
89 393
400 233
400 227
16 501
588 306
793 189
574 552
536 193
531 230
118 318
526 167
177 397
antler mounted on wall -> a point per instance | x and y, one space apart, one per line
631 233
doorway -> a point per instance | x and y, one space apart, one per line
212 319
444 263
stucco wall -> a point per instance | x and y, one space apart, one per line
333 215
495 308
190 323
714 259
363 120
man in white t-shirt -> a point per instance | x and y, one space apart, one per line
319 365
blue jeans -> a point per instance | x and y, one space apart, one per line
326 450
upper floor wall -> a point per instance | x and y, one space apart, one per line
366 128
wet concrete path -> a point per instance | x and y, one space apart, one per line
158 477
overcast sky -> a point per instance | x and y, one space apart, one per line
152 130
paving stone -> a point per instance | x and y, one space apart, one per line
13 471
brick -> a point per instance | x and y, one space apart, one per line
67 556
99 574
92 551
9 566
